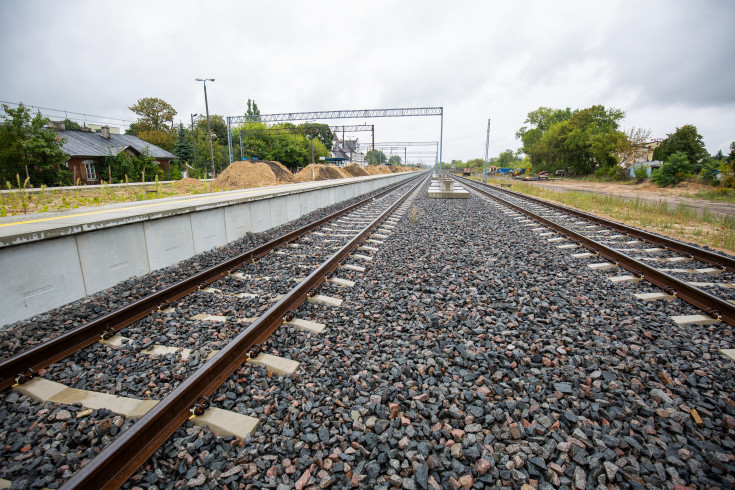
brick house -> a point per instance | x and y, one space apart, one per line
87 149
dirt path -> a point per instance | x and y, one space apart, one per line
646 191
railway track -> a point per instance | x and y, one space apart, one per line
470 352
616 243
335 238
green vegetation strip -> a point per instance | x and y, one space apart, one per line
703 228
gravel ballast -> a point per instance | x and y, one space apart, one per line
473 353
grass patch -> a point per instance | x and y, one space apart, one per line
720 194
684 223
48 199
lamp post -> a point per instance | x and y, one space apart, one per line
194 140
209 129
487 144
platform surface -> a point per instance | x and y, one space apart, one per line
26 228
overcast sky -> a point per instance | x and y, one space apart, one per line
665 63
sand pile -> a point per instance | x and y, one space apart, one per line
187 182
241 175
321 172
356 170
383 169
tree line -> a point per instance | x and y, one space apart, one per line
591 141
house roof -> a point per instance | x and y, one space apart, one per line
87 144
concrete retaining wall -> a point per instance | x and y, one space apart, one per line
42 275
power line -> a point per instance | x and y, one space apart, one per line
66 113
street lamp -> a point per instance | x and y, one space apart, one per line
194 139
209 130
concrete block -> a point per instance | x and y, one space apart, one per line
279 365
313 327
208 229
237 221
695 319
325 300
169 241
226 423
293 207
602 266
279 211
260 215
111 255
654 296
39 276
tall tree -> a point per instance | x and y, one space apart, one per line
685 139
26 143
154 113
322 132
183 147
633 147
155 122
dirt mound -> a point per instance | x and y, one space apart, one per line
371 170
240 175
320 172
383 169
187 182
356 171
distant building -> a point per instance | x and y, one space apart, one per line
87 149
96 128
349 150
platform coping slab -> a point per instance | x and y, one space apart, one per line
617 279
694 319
279 365
342 282
602 266
309 326
326 300
654 296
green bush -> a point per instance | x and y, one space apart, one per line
640 173
672 171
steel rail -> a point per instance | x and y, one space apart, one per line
22 365
712 305
706 256
115 464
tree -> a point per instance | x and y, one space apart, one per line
252 109
685 139
394 160
27 144
183 147
378 159
633 147
506 159
70 125
672 171
155 122
322 132
154 113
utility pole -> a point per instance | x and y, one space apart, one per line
194 140
209 129
372 156
487 145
